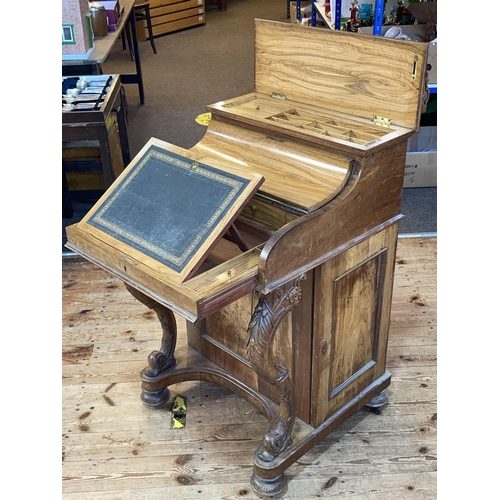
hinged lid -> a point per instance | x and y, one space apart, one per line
168 210
356 74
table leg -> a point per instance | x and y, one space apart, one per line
137 56
122 127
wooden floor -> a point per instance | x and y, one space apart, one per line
114 447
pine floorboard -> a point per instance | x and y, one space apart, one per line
115 448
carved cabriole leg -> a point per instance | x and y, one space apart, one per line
161 360
266 318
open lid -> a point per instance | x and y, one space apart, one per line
360 75
169 210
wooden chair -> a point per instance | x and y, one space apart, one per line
142 13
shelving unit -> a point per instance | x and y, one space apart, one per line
377 22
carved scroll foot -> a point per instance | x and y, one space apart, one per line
161 360
378 401
275 487
155 398
266 318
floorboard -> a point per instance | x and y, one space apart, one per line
116 448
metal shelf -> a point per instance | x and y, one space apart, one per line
377 20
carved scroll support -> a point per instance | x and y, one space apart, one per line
162 360
266 318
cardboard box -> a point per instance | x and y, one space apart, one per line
421 170
424 140
113 11
421 159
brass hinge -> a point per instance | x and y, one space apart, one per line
381 121
277 95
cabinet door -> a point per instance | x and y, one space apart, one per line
353 292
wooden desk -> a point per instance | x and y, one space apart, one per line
102 49
298 324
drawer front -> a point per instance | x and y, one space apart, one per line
175 16
174 4
168 27
168 8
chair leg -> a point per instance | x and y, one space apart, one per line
150 28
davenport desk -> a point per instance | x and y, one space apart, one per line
102 49
275 235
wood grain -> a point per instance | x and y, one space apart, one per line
352 322
115 447
359 75
300 175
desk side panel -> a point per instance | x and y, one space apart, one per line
371 198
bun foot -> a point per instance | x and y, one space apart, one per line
379 401
269 488
155 398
